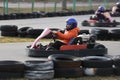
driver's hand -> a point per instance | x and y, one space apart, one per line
54 32
54 35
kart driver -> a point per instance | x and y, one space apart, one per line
102 15
70 32
116 8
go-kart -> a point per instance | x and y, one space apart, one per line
92 22
83 45
116 14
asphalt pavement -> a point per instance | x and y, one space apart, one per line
17 51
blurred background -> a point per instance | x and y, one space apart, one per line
27 6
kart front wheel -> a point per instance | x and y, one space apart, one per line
85 23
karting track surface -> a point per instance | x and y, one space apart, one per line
16 51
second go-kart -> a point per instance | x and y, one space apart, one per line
92 22
116 14
83 45
115 11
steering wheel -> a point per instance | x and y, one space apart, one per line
54 36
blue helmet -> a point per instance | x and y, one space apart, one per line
118 4
72 22
101 8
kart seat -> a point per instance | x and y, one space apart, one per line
75 41
74 44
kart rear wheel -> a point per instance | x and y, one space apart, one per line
99 46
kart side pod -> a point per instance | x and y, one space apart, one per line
73 47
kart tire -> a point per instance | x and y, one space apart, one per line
104 71
22 32
91 18
85 23
9 33
39 75
9 28
91 11
65 61
115 34
116 60
98 71
68 72
50 36
11 66
102 24
99 46
90 45
98 31
117 71
10 75
34 33
97 62
6 16
1 17
83 31
37 65
12 16
102 34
